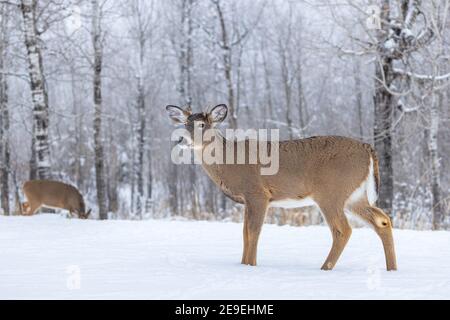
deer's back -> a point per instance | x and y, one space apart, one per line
318 166
324 164
52 193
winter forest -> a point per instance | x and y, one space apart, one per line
84 85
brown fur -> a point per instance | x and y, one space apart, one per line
53 194
326 169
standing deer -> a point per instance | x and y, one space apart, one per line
336 174
53 195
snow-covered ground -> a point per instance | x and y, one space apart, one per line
51 257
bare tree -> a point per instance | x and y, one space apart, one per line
430 44
97 42
142 30
41 146
185 49
285 52
433 145
435 85
359 95
230 35
5 161
226 46
393 44
396 43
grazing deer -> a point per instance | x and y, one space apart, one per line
336 174
53 195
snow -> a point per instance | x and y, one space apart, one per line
390 44
49 257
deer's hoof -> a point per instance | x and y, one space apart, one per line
327 266
392 269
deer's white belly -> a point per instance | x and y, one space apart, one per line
50 207
293 203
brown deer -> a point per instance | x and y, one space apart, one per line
336 174
53 195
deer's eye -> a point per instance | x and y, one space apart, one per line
201 125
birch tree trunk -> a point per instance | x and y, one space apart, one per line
78 130
285 75
141 15
269 110
302 105
149 203
188 69
186 51
140 136
433 146
98 141
299 75
185 48
5 156
38 90
33 165
4 116
173 188
112 167
359 95
284 48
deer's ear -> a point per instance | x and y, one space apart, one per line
218 114
177 114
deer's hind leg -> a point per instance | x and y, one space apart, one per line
382 225
340 231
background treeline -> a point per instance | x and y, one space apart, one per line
84 83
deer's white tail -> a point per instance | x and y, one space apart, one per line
371 185
368 188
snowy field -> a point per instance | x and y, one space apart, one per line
49 257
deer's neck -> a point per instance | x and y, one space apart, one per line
218 142
219 172
214 170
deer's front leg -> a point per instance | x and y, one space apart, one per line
32 210
245 235
255 214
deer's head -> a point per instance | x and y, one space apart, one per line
83 215
196 124
26 208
